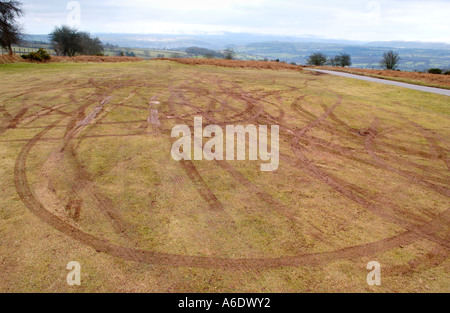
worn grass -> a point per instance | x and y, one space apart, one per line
115 180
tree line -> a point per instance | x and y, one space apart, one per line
209 54
320 59
389 61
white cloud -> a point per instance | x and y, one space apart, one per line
424 20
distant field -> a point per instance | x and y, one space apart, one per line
87 176
149 53
140 53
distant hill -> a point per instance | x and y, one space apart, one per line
363 56
410 45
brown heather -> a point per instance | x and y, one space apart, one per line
239 64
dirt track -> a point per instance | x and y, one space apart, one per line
254 107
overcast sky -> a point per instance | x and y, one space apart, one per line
421 20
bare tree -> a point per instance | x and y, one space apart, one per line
10 29
317 59
69 41
66 41
343 60
229 54
390 60
90 45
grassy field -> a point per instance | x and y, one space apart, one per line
87 176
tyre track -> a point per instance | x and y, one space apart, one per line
155 258
369 145
427 230
387 214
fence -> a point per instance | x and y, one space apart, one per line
22 51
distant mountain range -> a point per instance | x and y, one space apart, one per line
410 45
225 40
415 55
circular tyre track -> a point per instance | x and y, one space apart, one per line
412 233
